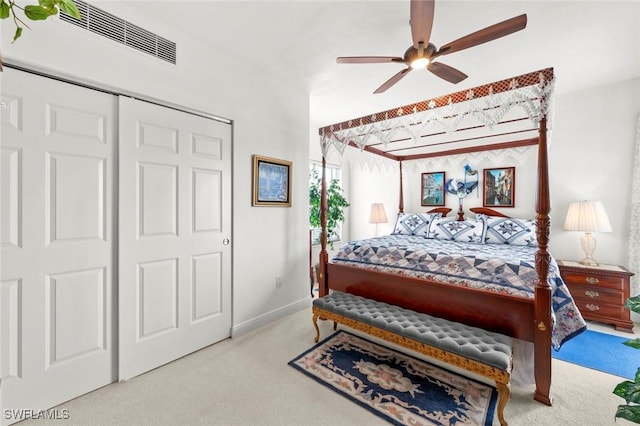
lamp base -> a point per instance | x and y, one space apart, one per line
589 261
589 247
460 210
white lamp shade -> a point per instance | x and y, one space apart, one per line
587 216
378 215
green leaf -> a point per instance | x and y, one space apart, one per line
69 7
633 304
36 13
4 10
634 343
17 34
629 412
630 391
49 5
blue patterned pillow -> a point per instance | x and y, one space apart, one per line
413 224
517 232
468 231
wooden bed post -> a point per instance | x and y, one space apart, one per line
324 256
401 196
542 314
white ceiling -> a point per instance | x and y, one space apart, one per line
589 43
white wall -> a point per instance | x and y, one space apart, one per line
591 158
385 180
270 118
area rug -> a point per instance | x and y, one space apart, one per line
397 387
603 352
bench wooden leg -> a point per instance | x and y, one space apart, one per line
315 324
504 394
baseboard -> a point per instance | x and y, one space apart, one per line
264 319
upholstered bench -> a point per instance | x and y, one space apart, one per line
473 349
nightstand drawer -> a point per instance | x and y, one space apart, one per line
593 280
592 294
596 310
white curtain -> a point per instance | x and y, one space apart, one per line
634 231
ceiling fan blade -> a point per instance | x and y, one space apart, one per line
493 32
393 80
421 21
367 59
446 72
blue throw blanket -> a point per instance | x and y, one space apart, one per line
501 268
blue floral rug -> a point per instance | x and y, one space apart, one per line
395 386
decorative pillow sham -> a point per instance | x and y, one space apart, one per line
517 232
413 224
468 231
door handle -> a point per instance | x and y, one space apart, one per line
226 241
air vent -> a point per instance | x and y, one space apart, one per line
100 22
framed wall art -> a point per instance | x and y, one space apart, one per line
271 182
432 189
499 187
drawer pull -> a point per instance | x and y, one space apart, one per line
591 307
592 280
591 293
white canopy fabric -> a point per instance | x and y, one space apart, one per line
492 116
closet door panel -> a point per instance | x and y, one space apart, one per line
175 233
56 272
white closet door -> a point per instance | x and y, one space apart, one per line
174 234
56 232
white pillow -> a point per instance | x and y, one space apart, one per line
504 230
413 224
468 231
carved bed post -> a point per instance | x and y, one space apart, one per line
401 196
324 256
542 315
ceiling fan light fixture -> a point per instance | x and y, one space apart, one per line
422 52
419 63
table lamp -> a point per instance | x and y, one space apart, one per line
588 217
378 215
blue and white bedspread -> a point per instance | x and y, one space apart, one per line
500 268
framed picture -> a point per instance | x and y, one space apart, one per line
432 189
499 187
271 182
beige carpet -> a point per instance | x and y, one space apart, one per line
246 381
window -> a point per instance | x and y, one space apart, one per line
333 173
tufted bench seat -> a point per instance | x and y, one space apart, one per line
471 348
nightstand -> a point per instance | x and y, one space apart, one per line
599 292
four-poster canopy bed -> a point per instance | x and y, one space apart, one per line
505 114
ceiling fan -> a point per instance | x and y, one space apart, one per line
422 53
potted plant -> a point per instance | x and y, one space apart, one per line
336 203
630 390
